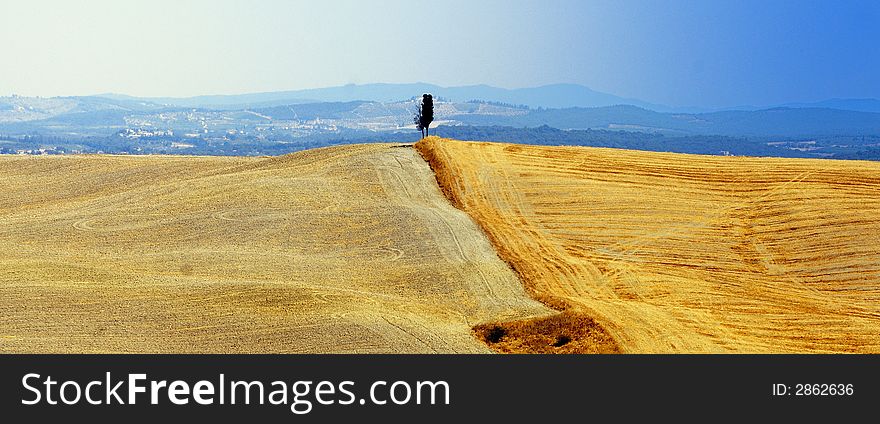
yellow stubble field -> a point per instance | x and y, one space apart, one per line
680 253
337 250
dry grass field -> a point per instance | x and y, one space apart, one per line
677 253
347 249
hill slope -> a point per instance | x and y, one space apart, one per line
348 249
681 253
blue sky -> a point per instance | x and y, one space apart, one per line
682 53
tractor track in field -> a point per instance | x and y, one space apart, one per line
678 253
349 249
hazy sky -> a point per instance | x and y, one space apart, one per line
697 53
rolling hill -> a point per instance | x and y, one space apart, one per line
344 250
503 247
677 253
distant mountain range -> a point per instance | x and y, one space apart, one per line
548 96
272 123
103 115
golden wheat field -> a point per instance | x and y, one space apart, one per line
346 249
356 249
681 253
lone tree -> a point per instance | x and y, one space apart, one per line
424 114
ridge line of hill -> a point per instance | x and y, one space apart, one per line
573 330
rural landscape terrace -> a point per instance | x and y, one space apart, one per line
443 246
